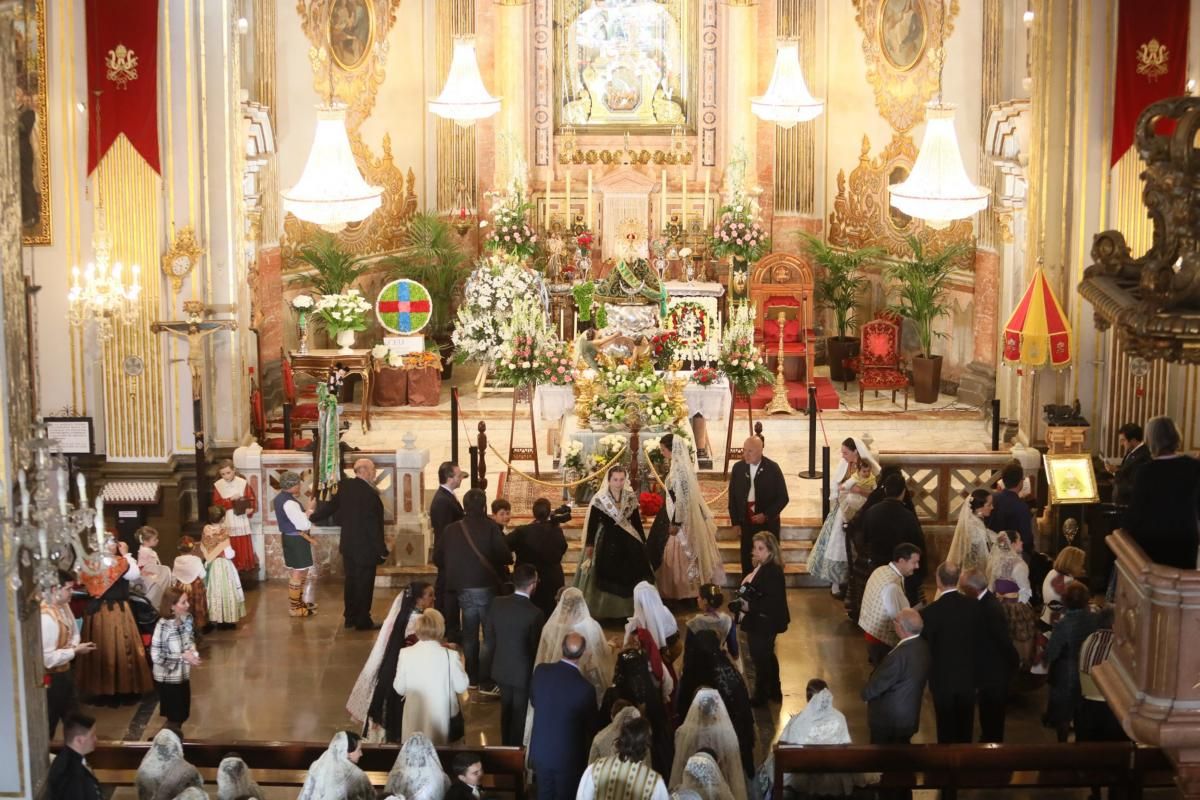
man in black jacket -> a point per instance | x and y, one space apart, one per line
357 509
443 510
542 545
1136 454
757 496
949 629
890 523
69 777
996 658
897 686
511 634
472 554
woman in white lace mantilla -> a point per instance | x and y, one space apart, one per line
691 556
702 776
335 775
417 773
708 726
852 482
972 541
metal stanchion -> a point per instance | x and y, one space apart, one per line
996 424
454 425
811 474
824 481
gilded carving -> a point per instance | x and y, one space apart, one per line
900 47
607 157
862 215
182 257
32 122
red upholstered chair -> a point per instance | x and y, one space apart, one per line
878 362
301 412
783 282
270 434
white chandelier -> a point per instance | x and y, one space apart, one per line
938 189
787 100
98 292
331 191
464 98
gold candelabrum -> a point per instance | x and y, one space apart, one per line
779 398
585 398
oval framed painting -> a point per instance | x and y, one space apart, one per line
903 33
403 307
351 32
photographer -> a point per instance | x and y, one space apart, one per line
762 606
542 545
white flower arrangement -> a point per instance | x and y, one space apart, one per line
489 296
343 312
380 352
610 445
650 445
302 302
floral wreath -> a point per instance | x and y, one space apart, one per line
680 312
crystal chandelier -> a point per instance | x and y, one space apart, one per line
464 98
787 100
45 535
938 189
98 293
331 191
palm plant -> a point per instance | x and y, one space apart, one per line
840 284
430 256
335 268
922 286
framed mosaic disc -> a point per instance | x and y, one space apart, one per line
403 306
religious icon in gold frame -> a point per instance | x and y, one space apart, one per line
1071 479
351 32
903 33
29 33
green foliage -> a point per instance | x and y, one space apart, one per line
601 315
429 254
922 285
584 293
839 284
335 268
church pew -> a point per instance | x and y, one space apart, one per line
985 766
115 763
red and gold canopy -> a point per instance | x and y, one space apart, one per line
1038 330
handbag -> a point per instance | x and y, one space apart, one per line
505 585
458 726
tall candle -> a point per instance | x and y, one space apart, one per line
589 200
81 485
707 178
100 524
62 491
567 213
546 206
683 180
662 200
43 544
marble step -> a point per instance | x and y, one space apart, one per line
794 551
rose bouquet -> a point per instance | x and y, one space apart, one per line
510 232
584 242
705 376
573 457
663 347
740 360
650 503
555 362
346 311
740 236
302 303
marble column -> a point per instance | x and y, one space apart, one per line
740 82
512 49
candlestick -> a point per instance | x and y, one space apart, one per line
45 545
589 200
683 213
100 524
546 208
567 212
707 178
63 483
81 486
662 201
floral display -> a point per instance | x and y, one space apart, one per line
489 296
556 360
610 409
740 360
526 342
573 457
302 302
424 359
650 503
343 312
662 348
738 232
509 231
584 242
705 376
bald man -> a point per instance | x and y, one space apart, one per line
757 496
565 719
897 686
356 507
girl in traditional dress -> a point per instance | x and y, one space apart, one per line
828 560
189 573
708 727
223 587
417 773
373 701
710 599
236 498
972 541
335 775
156 577
614 558
691 556
1008 579
117 671
653 628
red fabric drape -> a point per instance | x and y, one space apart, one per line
1151 62
122 65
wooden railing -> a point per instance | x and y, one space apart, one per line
949 767
939 482
287 763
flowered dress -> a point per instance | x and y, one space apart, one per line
829 560
226 494
226 602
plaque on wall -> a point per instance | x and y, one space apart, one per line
75 435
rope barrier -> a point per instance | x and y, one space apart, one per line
663 484
555 484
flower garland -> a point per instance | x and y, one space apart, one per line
690 322
343 312
489 296
740 360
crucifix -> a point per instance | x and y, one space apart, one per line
194 329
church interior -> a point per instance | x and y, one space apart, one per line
950 240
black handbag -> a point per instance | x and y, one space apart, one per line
458 726
504 584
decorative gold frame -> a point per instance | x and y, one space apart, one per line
1061 470
186 246
370 39
862 213
35 12
901 93
924 38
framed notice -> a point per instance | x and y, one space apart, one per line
1071 479
75 435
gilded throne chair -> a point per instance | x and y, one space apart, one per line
878 362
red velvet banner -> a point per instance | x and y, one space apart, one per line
122 65
1151 62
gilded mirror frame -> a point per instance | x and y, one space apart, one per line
31 64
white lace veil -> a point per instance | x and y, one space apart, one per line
359 702
604 744
165 750
650 613
818 723
334 777
708 726
234 780
702 776
698 529
571 615
960 545
417 773
842 470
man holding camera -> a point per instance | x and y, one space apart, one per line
541 544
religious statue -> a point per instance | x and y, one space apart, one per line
631 281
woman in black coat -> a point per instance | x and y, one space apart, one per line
764 615
1162 517
1062 658
633 683
543 545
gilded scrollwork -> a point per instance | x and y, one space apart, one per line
900 43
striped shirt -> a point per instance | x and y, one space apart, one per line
172 639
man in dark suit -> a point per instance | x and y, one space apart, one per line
996 658
1009 511
757 496
890 523
69 777
511 634
542 545
444 510
356 507
897 686
473 556
466 776
564 722
1136 454
949 629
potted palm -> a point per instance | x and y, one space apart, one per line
429 255
837 288
922 285
334 268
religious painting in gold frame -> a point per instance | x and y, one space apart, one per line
902 32
625 64
351 33
29 29
1071 479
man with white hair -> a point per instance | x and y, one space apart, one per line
897 686
355 506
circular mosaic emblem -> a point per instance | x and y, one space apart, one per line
403 306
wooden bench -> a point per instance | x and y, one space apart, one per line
948 767
286 763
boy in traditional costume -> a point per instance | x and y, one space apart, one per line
60 645
294 526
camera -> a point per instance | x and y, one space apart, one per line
745 594
561 514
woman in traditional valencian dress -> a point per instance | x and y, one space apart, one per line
828 560
972 541
234 494
223 588
1008 580
118 669
189 573
614 555
691 556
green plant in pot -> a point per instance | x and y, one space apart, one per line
922 288
334 269
429 254
838 285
